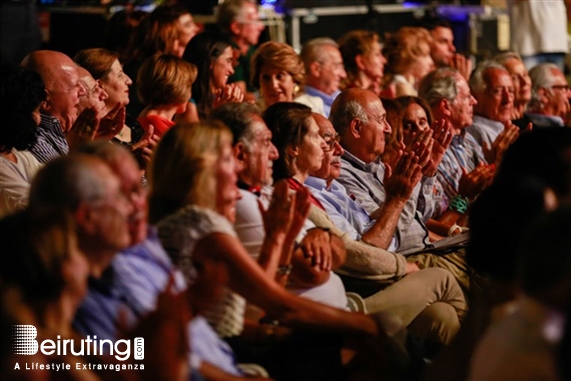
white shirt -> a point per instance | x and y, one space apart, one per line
15 180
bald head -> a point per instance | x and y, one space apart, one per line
359 117
94 96
59 74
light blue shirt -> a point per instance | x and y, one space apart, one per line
139 274
485 130
327 99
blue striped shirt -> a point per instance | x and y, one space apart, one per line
51 141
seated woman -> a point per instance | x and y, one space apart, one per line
213 56
277 71
408 59
164 88
105 68
21 92
192 198
363 59
166 30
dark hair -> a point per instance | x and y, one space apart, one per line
406 100
289 123
21 92
238 117
202 51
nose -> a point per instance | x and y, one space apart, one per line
128 80
388 128
337 149
275 82
473 100
452 47
274 154
342 72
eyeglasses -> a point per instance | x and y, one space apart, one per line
330 141
560 87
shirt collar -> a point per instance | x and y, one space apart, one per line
316 183
494 124
51 123
372 167
327 99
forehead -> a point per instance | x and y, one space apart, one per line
462 85
497 77
441 33
250 11
374 106
329 53
416 110
259 127
116 67
325 126
559 77
515 66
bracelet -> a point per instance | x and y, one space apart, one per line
284 269
452 228
459 204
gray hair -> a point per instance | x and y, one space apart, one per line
237 116
439 84
312 50
64 183
541 77
477 83
228 12
504 57
342 113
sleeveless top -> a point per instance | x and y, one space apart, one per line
179 234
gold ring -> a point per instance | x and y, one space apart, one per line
88 129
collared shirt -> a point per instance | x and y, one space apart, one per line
465 153
365 185
131 286
485 130
540 120
51 141
327 99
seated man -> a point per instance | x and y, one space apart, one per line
59 111
376 267
521 80
400 200
492 86
550 98
324 71
140 272
463 172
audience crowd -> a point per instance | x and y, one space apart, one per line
371 208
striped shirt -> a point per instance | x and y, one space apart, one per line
51 141
465 153
365 185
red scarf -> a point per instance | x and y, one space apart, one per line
296 185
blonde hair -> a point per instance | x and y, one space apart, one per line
183 168
276 55
165 80
405 46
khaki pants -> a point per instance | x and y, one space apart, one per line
429 302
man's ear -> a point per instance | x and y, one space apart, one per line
542 94
315 69
235 27
83 216
45 105
355 128
240 152
444 107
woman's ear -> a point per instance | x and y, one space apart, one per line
292 150
359 62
